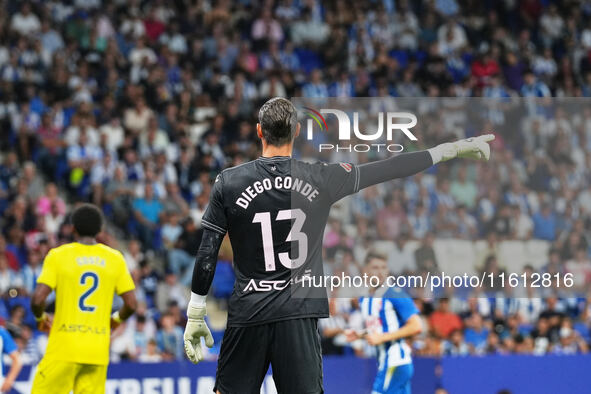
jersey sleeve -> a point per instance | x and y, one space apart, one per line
340 180
49 271
403 304
214 218
8 344
124 280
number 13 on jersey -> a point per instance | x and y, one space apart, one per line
295 234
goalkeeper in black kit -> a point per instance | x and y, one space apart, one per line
274 210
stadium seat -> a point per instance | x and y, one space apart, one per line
455 257
4 313
383 247
513 255
412 245
309 60
537 252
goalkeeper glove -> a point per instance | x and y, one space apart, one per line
194 330
470 148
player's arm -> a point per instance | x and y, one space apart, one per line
214 224
125 288
46 282
40 294
205 263
407 164
9 347
413 326
203 272
128 308
15 368
408 314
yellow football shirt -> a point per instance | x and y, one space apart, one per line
85 278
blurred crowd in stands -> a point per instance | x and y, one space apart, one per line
137 105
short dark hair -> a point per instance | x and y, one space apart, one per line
87 220
278 119
374 255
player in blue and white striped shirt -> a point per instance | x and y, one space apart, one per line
390 316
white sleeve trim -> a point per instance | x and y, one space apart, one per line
213 227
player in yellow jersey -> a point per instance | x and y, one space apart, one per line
85 275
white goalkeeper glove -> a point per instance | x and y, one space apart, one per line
470 148
194 331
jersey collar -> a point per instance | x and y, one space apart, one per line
275 158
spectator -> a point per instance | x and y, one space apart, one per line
475 334
316 87
420 222
541 337
171 229
465 224
31 271
570 343
532 87
309 31
9 255
425 257
523 227
9 279
169 339
267 28
51 200
464 190
138 117
25 22
391 220
182 257
456 346
171 290
580 268
152 353
544 224
147 210
443 321
401 258
81 159
119 194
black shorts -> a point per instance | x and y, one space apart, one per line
291 347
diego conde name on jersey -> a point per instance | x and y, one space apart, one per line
279 183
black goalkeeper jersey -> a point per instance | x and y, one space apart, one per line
275 211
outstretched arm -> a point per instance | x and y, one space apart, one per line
203 272
399 166
407 164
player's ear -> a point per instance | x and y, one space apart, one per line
259 131
298 128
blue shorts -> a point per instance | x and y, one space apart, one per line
393 380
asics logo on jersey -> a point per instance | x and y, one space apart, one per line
270 285
266 285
